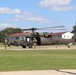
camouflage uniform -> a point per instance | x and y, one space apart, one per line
5 42
34 42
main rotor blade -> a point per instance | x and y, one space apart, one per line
56 29
45 28
29 29
51 27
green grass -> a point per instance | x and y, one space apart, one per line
37 60
1 44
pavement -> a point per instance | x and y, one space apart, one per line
48 47
41 72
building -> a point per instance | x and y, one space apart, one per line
67 35
64 35
57 35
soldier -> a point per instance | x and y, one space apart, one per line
34 42
5 42
30 43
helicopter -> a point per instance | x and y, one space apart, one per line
25 39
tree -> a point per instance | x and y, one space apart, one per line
8 31
74 29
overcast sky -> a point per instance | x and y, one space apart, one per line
37 13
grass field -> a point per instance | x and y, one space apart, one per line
1 44
37 60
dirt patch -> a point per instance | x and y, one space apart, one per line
49 47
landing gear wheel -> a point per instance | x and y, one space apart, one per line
23 46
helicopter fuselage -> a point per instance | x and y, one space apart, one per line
42 39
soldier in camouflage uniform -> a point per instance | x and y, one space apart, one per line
34 42
5 42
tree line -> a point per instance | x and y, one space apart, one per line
8 31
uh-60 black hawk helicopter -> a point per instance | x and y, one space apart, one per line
43 38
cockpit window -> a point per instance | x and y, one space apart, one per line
18 38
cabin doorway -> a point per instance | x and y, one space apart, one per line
38 40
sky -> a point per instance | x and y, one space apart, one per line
37 13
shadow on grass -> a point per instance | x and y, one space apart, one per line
66 72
